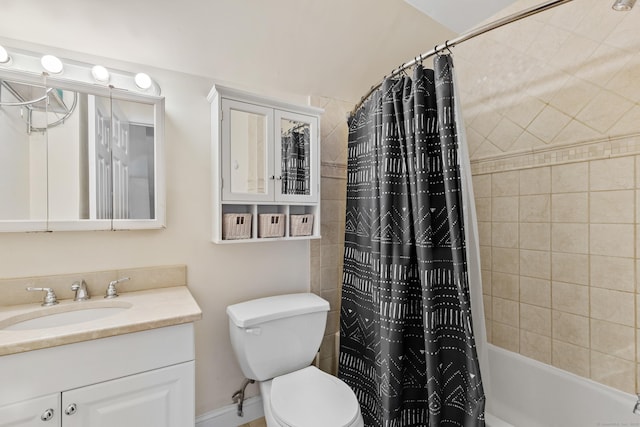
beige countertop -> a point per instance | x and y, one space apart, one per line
146 309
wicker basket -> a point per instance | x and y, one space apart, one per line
301 225
236 226
271 225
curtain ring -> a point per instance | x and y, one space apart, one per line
435 50
446 46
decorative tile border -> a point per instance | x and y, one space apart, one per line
333 170
571 153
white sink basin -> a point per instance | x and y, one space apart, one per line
63 315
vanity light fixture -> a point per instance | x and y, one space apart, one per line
100 74
4 56
52 64
143 81
61 69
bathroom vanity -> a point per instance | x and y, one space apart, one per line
131 368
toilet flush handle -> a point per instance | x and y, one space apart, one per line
254 331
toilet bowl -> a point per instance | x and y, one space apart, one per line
275 339
309 398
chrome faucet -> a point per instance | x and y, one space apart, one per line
82 294
112 292
49 299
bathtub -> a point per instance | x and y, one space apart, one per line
527 393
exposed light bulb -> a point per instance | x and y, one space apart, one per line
100 74
52 64
4 55
623 5
143 81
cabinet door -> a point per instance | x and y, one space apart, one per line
247 152
39 412
160 398
296 157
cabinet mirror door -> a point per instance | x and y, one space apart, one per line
247 162
297 155
23 154
72 160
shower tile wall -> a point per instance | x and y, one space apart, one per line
552 113
559 255
326 253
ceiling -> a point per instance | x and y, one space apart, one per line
333 48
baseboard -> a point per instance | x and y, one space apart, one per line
227 416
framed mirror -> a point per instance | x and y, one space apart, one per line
79 157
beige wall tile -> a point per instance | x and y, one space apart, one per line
613 207
570 207
535 264
535 181
571 358
570 268
612 240
483 208
505 336
485 258
613 306
505 260
484 232
487 305
571 238
505 311
535 291
486 281
504 209
535 208
570 178
535 235
505 285
504 234
613 339
505 184
482 185
612 371
535 319
613 273
535 346
570 328
570 298
612 174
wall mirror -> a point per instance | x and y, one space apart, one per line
75 156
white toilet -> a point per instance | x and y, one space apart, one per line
275 340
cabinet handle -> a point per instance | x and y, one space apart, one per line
71 409
279 178
273 177
47 415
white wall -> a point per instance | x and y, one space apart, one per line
217 275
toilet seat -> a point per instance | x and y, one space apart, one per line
312 398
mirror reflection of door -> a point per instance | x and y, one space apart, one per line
99 154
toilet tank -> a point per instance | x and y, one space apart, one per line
276 335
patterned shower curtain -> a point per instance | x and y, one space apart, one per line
406 337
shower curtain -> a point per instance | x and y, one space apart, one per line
406 337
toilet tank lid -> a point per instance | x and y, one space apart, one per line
251 313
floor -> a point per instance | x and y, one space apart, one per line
260 422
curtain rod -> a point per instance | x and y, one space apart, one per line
467 36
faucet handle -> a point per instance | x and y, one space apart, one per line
49 299
112 292
82 293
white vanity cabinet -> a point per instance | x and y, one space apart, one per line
139 379
265 161
159 398
43 411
